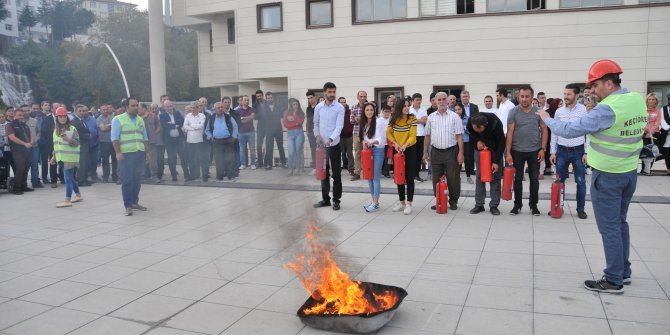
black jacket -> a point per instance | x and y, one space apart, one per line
47 130
84 134
493 136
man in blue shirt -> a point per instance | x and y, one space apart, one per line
328 123
221 131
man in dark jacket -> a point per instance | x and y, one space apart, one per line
171 121
85 136
486 131
273 131
47 123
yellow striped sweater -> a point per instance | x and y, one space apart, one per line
403 131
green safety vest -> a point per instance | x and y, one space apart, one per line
617 149
131 138
65 152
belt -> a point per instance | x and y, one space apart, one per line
575 148
442 150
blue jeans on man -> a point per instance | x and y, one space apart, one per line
611 194
250 139
132 169
573 155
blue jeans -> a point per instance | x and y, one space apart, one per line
296 146
611 194
35 165
378 157
248 138
132 169
566 156
70 183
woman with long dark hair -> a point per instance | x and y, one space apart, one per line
66 154
293 119
401 132
373 136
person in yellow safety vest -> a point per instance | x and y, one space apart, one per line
615 128
66 152
131 144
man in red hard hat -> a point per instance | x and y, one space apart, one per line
615 128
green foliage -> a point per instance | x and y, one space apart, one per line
4 13
27 18
68 20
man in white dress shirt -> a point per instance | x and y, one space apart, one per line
504 106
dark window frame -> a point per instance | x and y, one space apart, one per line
380 103
259 20
658 83
308 24
512 88
463 2
211 40
449 90
529 6
231 34
355 20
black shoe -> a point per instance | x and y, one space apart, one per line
336 205
205 179
534 211
515 210
453 207
62 182
84 184
494 211
603 286
268 167
54 185
419 179
174 178
105 181
322 203
38 185
433 207
28 189
387 175
582 215
17 192
477 210
284 166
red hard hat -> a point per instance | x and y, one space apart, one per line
601 68
61 111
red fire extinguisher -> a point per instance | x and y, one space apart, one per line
508 182
485 169
399 168
366 163
441 196
557 197
320 163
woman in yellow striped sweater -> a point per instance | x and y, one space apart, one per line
401 132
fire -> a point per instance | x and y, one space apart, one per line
330 286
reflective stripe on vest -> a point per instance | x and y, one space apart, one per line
617 149
131 138
65 152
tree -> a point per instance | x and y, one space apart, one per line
45 14
4 13
69 19
27 19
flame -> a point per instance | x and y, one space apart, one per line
330 286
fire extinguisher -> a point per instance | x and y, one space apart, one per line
366 163
508 182
557 198
441 196
485 169
399 168
320 163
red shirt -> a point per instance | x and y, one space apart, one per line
293 121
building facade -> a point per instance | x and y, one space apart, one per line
10 27
408 46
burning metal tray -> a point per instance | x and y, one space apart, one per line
355 323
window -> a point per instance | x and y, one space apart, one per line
652 1
445 7
382 93
661 89
319 13
93 4
211 41
110 8
8 27
269 17
450 90
375 10
513 90
589 3
514 5
231 30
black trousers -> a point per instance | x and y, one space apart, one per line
469 158
547 158
224 158
520 160
175 147
419 154
194 159
22 166
444 162
272 136
84 166
333 165
666 156
312 147
10 160
206 158
160 160
260 140
107 154
410 173
48 170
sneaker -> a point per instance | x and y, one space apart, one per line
371 208
174 178
515 210
477 210
322 203
603 286
268 167
139 207
398 208
582 215
408 210
64 204
129 212
470 181
534 211
232 180
355 177
77 199
38 185
242 167
159 181
627 281
495 211
54 185
253 167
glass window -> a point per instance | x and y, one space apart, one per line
589 3
269 17
382 93
320 13
94 4
374 10
514 5
8 27
231 30
661 89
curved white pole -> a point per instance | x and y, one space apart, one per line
120 69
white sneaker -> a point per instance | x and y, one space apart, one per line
242 167
408 210
311 173
253 167
398 208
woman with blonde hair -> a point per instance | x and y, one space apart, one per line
651 131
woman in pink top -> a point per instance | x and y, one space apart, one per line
293 120
652 130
